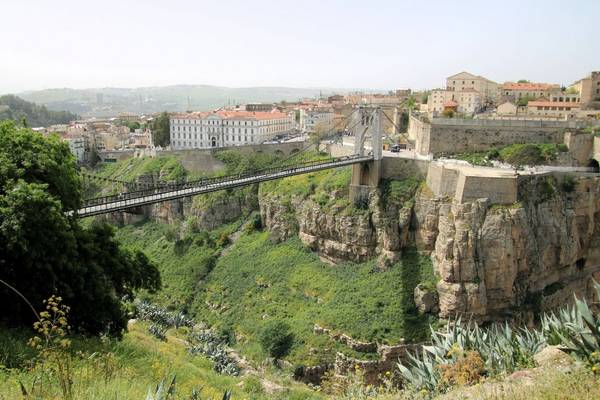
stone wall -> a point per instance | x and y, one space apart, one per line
466 183
451 136
401 168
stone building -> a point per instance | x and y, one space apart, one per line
514 90
222 128
468 101
556 109
465 81
588 88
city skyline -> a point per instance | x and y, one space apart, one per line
336 45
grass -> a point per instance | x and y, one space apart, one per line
140 361
258 281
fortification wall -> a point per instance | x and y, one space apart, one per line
451 136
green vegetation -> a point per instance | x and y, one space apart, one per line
104 369
258 281
523 101
517 154
17 109
399 193
44 252
276 339
182 262
160 130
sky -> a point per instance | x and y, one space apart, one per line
376 44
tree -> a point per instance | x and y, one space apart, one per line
523 101
43 251
132 125
160 130
448 113
319 133
522 81
276 339
19 110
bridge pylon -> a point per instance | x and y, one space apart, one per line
368 129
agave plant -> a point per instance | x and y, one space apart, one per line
576 328
158 331
501 348
209 344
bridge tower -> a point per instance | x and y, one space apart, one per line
365 176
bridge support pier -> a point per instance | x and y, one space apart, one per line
366 176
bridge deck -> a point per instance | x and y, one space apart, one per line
128 200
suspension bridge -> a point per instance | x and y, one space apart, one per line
367 123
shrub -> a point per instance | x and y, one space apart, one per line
276 339
467 370
568 184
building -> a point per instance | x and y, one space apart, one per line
468 101
554 109
465 81
507 109
317 120
254 107
588 88
77 145
226 128
515 90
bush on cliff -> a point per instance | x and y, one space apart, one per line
276 339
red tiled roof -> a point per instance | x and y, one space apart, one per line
234 115
450 103
553 104
529 86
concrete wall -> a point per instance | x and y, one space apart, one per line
465 184
499 190
400 168
442 181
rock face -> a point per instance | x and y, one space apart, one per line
493 261
336 234
496 262
426 300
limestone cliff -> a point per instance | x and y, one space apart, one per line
492 261
503 261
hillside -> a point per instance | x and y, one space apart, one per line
111 101
15 108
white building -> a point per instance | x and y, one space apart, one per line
314 120
226 128
77 147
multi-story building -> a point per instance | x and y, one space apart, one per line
226 128
515 90
464 81
317 120
468 101
77 145
588 88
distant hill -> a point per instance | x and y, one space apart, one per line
103 102
15 108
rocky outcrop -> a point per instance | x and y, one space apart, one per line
426 299
337 232
496 262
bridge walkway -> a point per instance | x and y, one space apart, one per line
123 201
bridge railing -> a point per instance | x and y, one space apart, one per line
167 188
